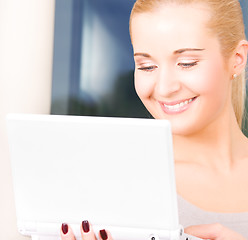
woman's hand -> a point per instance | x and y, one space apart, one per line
213 231
86 230
204 231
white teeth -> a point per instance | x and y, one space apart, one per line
178 105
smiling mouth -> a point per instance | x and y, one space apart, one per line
177 107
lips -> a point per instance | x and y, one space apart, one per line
176 106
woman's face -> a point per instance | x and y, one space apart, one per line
180 74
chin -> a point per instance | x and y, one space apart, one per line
186 130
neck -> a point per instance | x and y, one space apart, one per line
218 146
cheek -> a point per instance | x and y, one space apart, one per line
213 88
143 86
210 80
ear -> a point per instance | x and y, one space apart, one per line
240 57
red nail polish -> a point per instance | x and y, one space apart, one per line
86 226
103 234
64 228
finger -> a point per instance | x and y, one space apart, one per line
105 235
212 231
87 231
66 232
207 231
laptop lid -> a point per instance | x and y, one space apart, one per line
118 173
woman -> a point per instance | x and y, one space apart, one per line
190 57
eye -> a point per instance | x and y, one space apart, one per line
147 69
188 64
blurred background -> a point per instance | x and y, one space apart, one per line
93 64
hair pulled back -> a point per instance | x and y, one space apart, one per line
226 23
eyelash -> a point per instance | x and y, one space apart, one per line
147 69
183 65
188 65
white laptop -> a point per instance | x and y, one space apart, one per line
117 173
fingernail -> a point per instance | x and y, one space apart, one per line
64 228
103 234
86 226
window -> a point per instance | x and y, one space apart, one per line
93 62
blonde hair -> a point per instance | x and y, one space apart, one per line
227 24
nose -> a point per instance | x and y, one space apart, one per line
166 83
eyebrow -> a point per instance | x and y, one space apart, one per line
187 49
179 51
142 55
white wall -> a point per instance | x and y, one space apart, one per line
26 50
